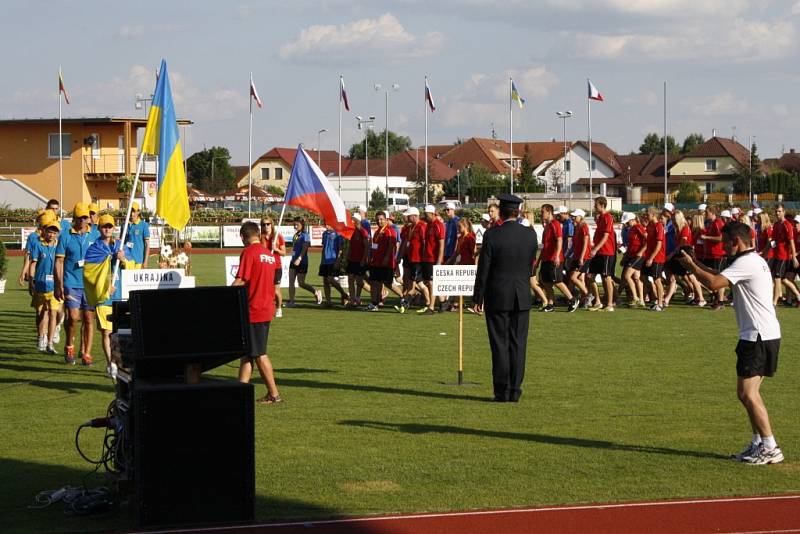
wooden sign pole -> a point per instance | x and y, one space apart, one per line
460 340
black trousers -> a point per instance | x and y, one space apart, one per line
508 339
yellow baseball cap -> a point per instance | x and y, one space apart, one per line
80 210
105 219
94 208
48 218
135 206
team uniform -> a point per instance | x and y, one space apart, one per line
134 242
299 241
97 287
279 242
355 255
331 246
451 237
674 265
579 237
434 232
604 262
637 240
548 272
655 234
382 259
466 250
714 251
782 236
72 246
43 278
256 270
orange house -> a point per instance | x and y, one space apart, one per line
97 152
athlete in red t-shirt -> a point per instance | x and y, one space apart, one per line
655 255
412 240
551 260
257 273
603 255
632 261
357 261
714 250
785 263
432 254
382 260
578 264
272 240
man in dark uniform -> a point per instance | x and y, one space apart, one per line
502 289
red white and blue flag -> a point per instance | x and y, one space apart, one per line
594 94
309 188
343 94
253 92
429 95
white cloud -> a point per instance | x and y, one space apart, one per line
140 30
796 8
725 103
383 39
656 8
485 96
646 98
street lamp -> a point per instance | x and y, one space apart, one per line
564 115
361 121
319 134
140 102
394 87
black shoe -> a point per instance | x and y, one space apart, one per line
573 305
549 308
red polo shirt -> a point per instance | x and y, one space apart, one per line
714 250
637 237
655 234
434 231
257 271
552 231
579 237
783 235
383 243
416 242
605 225
358 243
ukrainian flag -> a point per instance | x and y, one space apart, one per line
515 96
161 138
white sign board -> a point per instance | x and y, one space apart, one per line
134 279
454 280
201 234
232 267
24 233
156 233
231 237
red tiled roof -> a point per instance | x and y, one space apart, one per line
718 147
288 155
603 153
790 161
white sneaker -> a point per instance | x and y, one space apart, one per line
111 369
747 453
57 335
278 313
766 456
42 345
51 349
318 296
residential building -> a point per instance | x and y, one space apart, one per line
713 165
274 167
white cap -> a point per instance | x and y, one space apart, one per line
362 207
357 216
757 211
486 217
430 209
669 206
525 222
562 209
702 207
578 213
627 216
450 206
412 211
749 213
735 211
386 214
725 213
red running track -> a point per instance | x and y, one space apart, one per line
745 515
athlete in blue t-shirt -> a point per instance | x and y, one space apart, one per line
330 264
450 230
298 268
137 241
43 268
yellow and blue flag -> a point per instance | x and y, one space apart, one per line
515 96
161 138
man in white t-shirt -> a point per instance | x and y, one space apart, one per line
759 333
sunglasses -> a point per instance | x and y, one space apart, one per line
266 224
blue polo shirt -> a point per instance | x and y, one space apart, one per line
299 240
450 236
567 232
94 233
32 243
134 241
331 245
72 246
669 233
45 258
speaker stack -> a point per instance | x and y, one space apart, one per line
188 443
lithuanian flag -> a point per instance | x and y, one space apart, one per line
161 138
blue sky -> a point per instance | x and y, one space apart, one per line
728 63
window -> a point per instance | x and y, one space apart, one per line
279 174
594 164
709 187
566 165
96 146
52 145
711 165
264 173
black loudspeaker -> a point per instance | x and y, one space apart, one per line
194 461
171 328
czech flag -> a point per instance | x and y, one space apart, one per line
429 96
343 94
253 92
61 88
594 94
161 138
309 188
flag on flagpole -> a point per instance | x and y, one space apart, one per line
309 188
254 93
161 137
429 96
515 96
61 88
343 94
594 94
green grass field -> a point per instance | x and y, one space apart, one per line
626 406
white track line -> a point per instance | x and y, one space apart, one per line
513 511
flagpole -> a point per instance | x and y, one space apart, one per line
424 103
124 233
589 119
250 153
666 188
60 150
511 132
339 187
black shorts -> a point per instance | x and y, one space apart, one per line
259 334
779 267
412 270
757 358
633 262
550 274
355 268
603 265
384 275
299 269
717 264
278 275
580 266
426 271
328 269
654 270
674 266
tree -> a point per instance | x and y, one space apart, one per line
376 144
377 200
753 176
482 184
653 144
201 164
688 192
692 141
